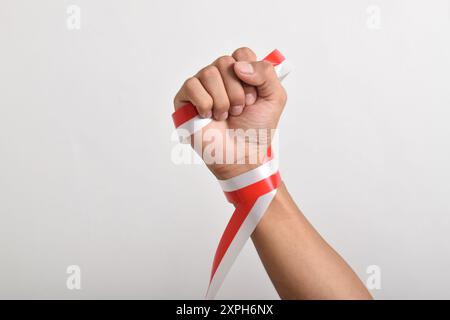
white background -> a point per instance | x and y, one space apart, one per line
86 176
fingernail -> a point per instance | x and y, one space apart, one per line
222 116
236 110
244 67
250 99
206 115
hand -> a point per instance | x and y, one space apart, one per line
238 92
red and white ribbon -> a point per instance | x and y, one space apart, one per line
251 192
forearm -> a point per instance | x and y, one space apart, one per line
299 262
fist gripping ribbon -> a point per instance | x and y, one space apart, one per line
251 192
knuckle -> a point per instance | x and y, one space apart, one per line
225 61
245 52
190 84
209 72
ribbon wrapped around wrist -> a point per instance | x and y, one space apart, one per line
251 192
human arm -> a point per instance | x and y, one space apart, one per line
299 262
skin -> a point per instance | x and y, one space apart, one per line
239 92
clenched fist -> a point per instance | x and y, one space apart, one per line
240 94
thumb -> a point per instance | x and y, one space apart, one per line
262 75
